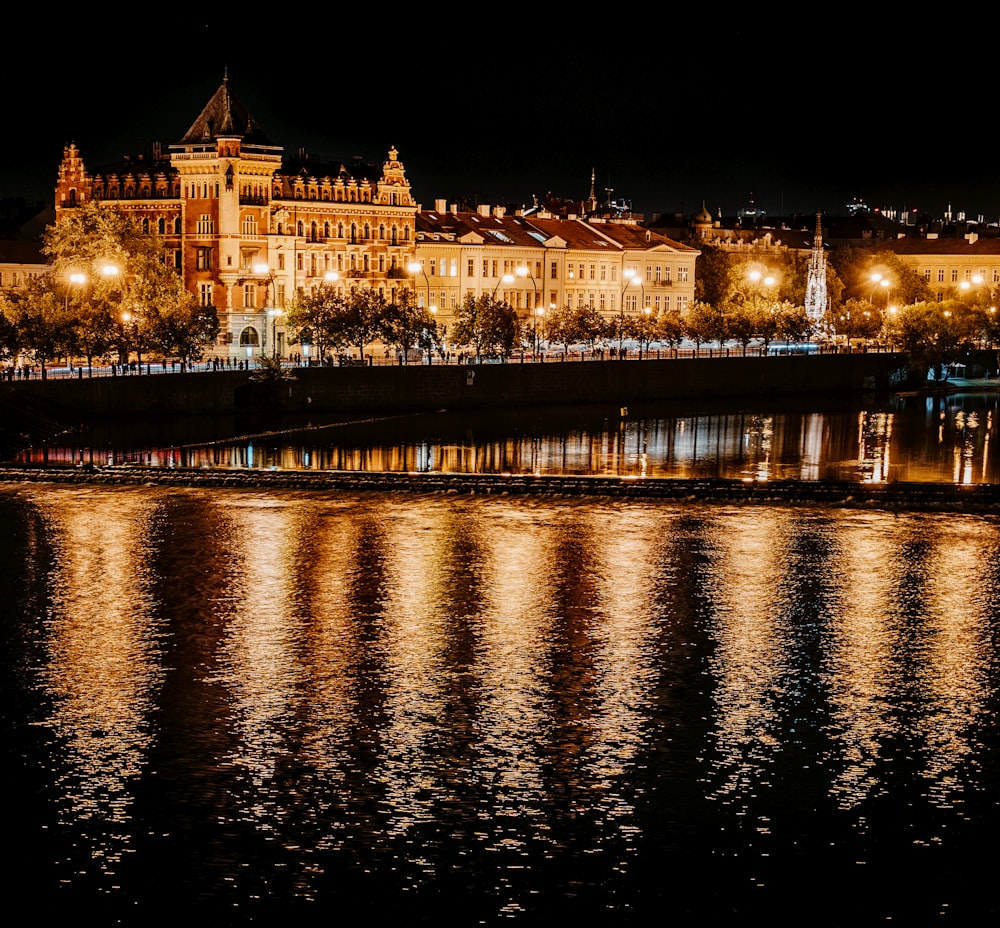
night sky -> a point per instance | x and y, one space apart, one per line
796 115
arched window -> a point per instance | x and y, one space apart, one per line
301 230
249 337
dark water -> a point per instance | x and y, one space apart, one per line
303 709
944 439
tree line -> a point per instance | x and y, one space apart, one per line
111 295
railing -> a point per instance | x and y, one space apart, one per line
550 356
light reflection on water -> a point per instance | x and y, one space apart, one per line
482 708
942 439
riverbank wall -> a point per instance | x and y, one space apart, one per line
364 390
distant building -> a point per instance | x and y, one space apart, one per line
249 226
952 267
538 262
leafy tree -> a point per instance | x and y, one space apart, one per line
184 328
855 319
489 327
9 343
314 319
123 285
568 325
643 328
407 325
705 323
855 265
362 319
670 328
935 334
43 320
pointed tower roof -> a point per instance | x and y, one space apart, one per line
225 116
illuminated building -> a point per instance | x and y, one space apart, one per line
537 262
249 226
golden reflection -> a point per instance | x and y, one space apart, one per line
625 554
103 668
862 676
415 556
259 664
874 445
751 648
953 678
513 634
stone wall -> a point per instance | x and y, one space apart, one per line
475 386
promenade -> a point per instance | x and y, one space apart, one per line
77 371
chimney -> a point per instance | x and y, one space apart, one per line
440 206
483 209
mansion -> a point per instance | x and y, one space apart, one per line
249 227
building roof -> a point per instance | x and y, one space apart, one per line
971 246
576 234
225 116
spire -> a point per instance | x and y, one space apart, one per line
226 116
816 297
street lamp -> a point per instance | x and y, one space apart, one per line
631 276
536 315
415 267
75 280
268 311
506 279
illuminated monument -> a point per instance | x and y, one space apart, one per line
816 297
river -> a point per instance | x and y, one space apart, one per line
284 707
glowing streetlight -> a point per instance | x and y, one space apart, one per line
415 267
506 279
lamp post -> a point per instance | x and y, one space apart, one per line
75 280
506 279
631 276
415 267
535 316
269 311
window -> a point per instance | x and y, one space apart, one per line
927 274
554 271
205 224
682 275
205 294
203 259
454 267
954 275
470 269
486 267
281 260
432 267
940 275
682 304
249 296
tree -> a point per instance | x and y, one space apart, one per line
183 327
568 326
43 320
935 334
705 323
314 319
362 319
407 325
855 265
114 274
490 327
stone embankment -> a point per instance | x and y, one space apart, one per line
980 498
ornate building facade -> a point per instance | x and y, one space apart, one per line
248 227
538 262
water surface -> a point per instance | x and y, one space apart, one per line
288 708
